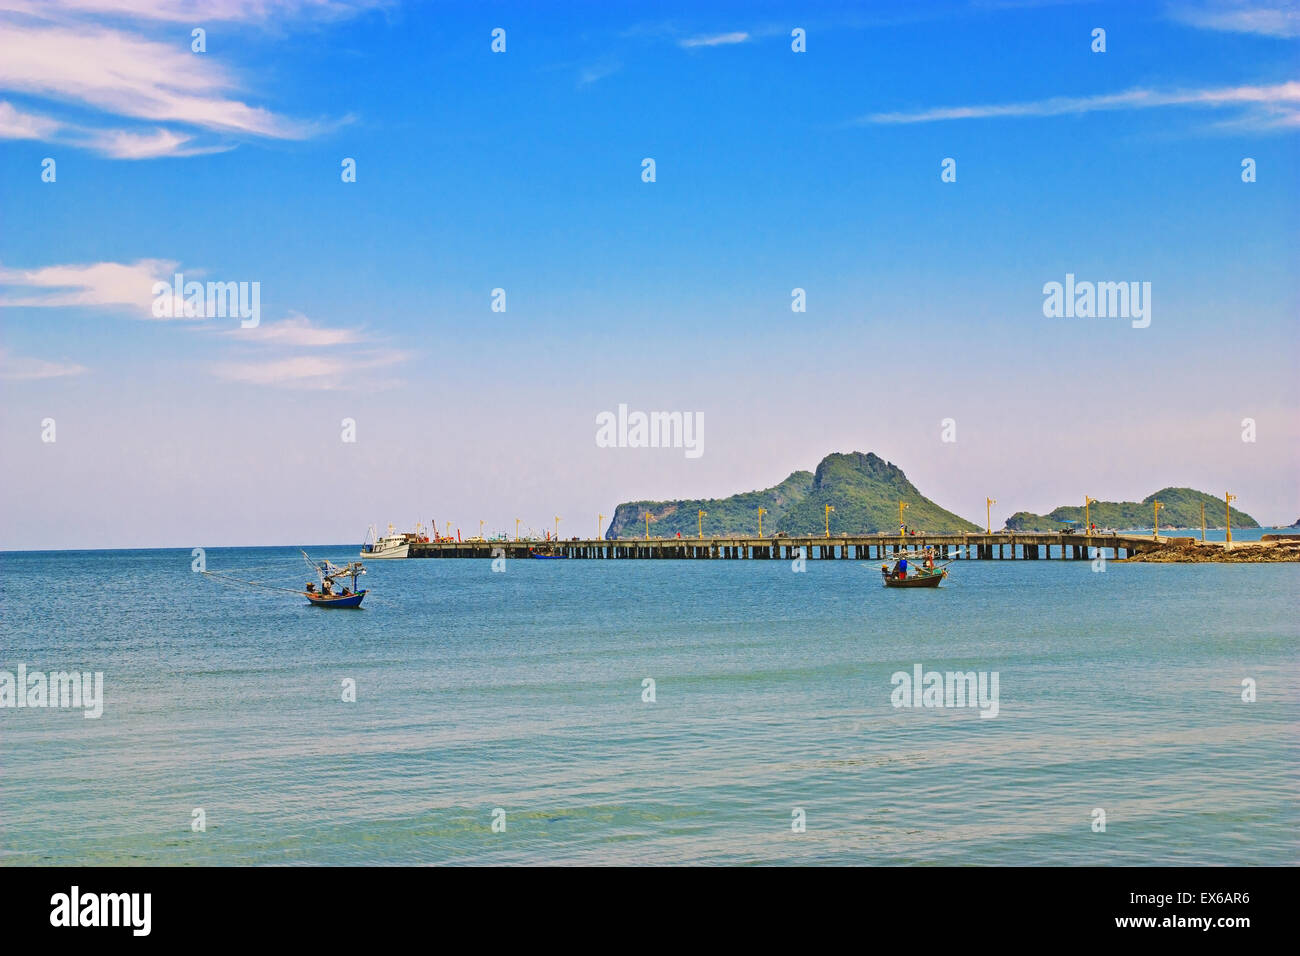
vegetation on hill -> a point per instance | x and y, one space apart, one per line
1181 509
864 489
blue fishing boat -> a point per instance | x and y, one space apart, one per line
545 555
331 592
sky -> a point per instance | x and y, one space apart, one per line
924 337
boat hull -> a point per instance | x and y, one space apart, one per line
338 600
400 551
917 581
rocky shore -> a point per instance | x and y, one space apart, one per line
1252 552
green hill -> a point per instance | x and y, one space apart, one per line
863 489
1182 509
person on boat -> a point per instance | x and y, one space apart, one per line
311 588
929 559
900 569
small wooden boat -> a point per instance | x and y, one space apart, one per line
917 575
330 575
346 599
329 593
545 555
915 579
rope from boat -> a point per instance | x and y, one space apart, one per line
223 579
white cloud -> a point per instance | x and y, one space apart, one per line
297 330
18 125
131 76
595 72
19 368
1275 19
98 284
1274 100
197 11
91 54
312 372
715 39
122 144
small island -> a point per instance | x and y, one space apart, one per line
1179 508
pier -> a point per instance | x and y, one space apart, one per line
1004 546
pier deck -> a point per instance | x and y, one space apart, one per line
1007 546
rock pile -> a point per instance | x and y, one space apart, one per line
1243 553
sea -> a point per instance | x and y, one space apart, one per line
650 713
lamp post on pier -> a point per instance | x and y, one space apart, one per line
829 509
1087 515
699 524
1227 514
761 511
1155 522
988 513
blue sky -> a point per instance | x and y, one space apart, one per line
522 170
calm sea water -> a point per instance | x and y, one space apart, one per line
522 691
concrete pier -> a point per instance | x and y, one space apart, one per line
1004 546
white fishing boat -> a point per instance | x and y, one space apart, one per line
391 545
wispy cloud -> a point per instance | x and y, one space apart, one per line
96 55
127 286
19 368
297 330
269 360
1278 105
128 75
594 72
15 124
309 372
121 144
714 39
199 11
1278 18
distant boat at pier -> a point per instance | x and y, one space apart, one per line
546 555
391 545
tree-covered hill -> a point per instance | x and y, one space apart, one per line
864 489
1181 509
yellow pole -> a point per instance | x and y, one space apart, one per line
480 527
829 509
761 512
699 523
988 513
557 527
1155 525
1227 513
1087 515
647 525
600 520
449 529
517 520
901 506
